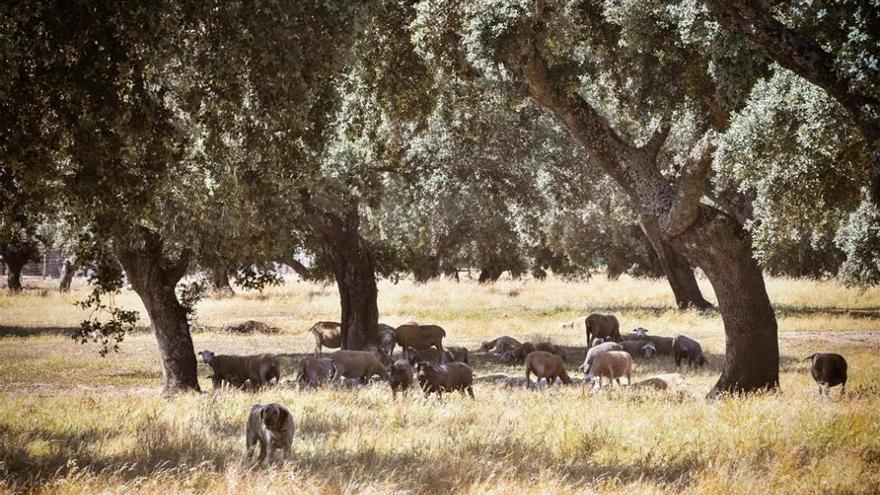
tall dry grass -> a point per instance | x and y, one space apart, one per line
72 422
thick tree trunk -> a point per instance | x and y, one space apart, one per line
874 192
13 276
68 268
679 272
14 263
718 245
154 279
220 281
356 278
353 268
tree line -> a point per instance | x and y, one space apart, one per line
394 137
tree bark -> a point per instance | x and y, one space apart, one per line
15 263
356 279
490 274
154 278
220 281
722 248
427 269
679 272
354 270
706 236
68 269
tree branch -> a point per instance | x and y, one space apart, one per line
799 53
302 270
735 204
657 139
689 188
584 122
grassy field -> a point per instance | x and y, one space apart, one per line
72 422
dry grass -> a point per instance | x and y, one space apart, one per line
71 421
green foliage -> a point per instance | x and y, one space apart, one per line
189 294
257 278
859 239
792 145
106 324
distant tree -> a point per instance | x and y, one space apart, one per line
859 239
28 194
304 124
18 249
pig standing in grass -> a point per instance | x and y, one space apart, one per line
828 370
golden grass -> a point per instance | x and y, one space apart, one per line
72 422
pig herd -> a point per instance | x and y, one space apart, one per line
424 361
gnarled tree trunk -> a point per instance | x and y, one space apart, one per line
354 270
154 278
723 249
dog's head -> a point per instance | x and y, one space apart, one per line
274 417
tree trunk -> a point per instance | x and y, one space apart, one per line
679 272
220 281
614 268
650 265
354 268
15 263
154 279
874 192
720 246
68 268
490 274
427 269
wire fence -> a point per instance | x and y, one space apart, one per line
49 266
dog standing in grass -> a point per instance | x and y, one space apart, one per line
271 426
